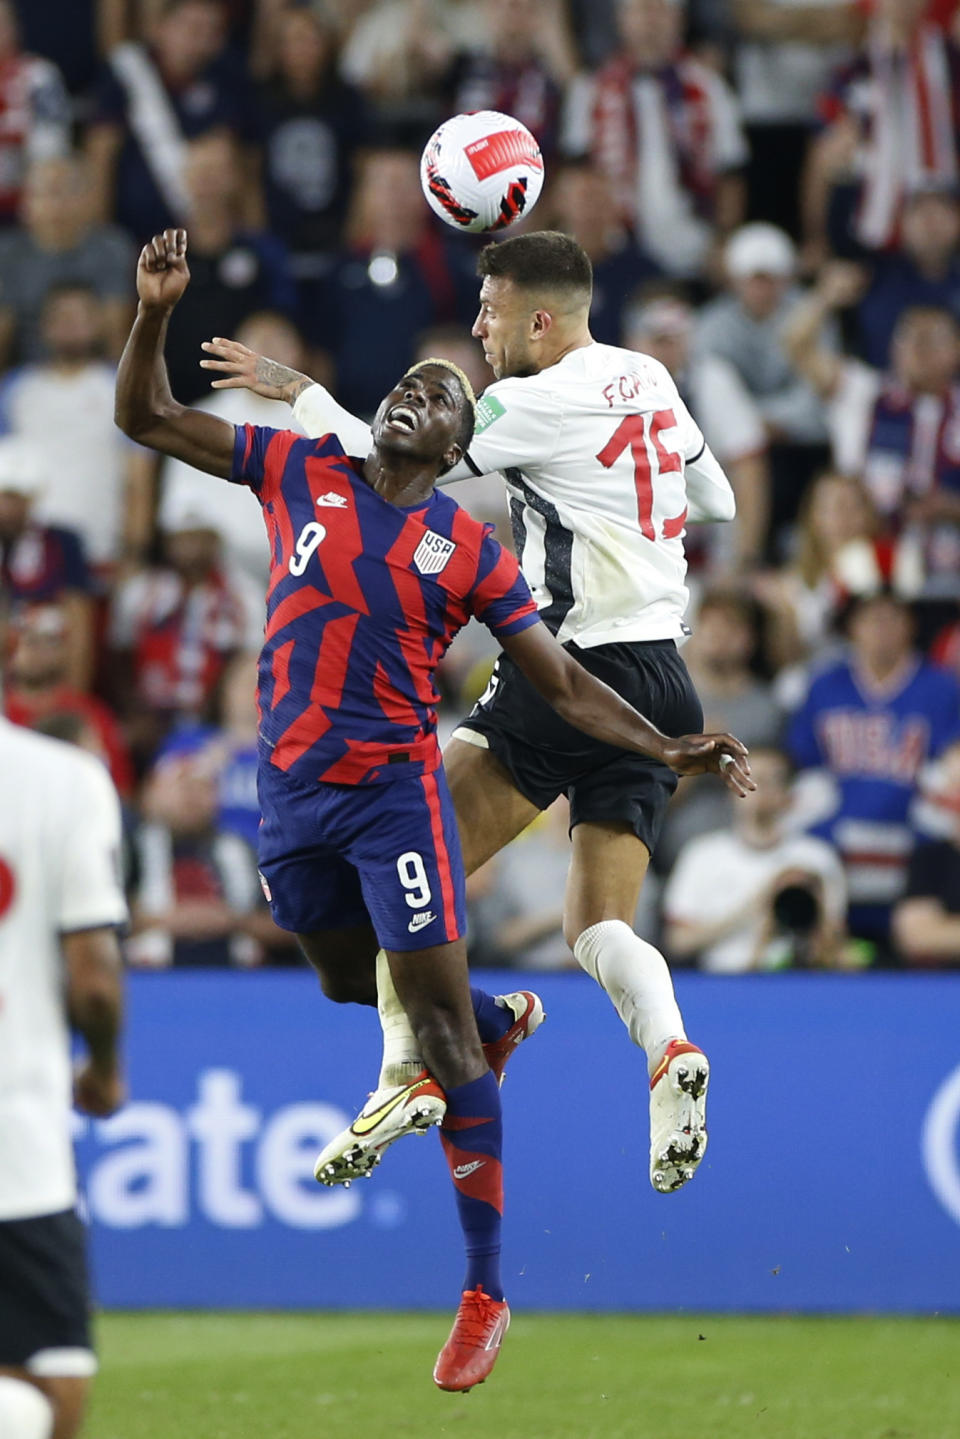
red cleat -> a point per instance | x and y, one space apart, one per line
471 1351
529 1016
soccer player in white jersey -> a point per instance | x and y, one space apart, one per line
604 467
60 967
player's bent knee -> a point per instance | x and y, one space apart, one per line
586 942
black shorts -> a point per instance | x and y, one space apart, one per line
44 1296
546 757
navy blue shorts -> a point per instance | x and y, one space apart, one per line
338 855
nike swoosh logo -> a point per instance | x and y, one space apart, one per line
463 1170
366 1123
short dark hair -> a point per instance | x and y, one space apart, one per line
541 260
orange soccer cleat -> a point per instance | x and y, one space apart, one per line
471 1351
528 1017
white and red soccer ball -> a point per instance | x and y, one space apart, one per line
481 171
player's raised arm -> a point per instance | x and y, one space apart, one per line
314 408
586 702
144 408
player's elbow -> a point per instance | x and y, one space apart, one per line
95 1002
726 507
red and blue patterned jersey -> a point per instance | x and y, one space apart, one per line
363 600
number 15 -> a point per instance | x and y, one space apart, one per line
631 432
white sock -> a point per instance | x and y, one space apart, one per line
401 1052
25 1413
637 979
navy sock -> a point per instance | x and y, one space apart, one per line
493 1019
472 1135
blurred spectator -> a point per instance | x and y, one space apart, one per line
56 243
757 896
94 481
229 748
786 54
38 686
154 98
926 921
184 490
746 327
519 69
719 657
173 630
73 34
233 270
839 552
726 413
311 124
900 430
35 109
583 207
867 727
395 279
40 563
894 122
198 901
666 130
398 52
516 918
925 271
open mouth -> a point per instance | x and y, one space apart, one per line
403 418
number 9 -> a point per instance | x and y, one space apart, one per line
413 877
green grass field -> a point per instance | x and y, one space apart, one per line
357 1376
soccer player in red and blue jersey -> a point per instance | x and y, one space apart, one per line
373 572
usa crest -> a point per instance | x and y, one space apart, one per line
432 553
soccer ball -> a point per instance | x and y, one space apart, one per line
481 171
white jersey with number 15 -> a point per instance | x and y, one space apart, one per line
604 467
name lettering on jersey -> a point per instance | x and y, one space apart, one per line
624 387
337 502
488 410
432 553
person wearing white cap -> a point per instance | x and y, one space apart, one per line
745 327
41 562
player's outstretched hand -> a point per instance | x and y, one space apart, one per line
162 274
246 370
96 1092
721 754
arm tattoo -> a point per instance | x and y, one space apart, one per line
291 382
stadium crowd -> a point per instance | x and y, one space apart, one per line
769 192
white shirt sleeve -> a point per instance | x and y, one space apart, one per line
90 893
683 896
709 492
576 134
730 150
319 414
849 411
